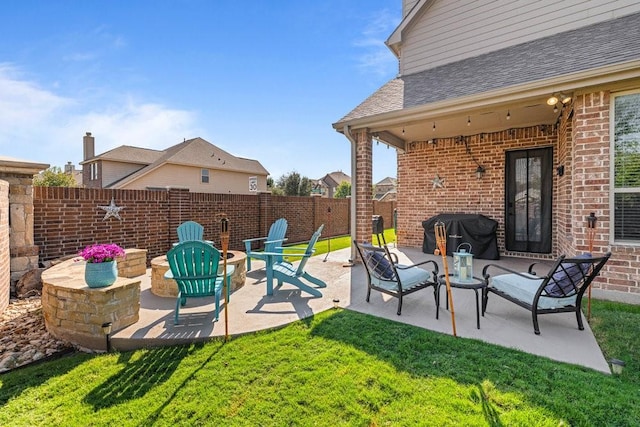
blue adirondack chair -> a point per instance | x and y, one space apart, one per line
194 267
272 242
190 230
284 271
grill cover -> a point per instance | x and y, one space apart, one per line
477 230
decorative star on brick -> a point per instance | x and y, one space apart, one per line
438 182
112 210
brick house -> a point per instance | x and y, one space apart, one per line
526 112
328 184
194 164
385 190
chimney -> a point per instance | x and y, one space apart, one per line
89 146
69 168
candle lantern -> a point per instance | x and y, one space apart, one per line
463 263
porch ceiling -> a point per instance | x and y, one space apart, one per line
527 113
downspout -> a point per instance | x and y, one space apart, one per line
352 225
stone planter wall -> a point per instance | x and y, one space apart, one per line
134 263
74 312
169 288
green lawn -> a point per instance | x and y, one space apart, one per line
336 368
336 243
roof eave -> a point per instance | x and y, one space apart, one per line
395 39
539 88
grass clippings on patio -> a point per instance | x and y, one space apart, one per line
337 368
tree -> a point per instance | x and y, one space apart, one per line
305 187
294 185
273 188
54 177
343 190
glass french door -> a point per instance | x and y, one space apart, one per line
529 186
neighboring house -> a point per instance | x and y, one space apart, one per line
70 169
194 164
526 112
327 185
385 190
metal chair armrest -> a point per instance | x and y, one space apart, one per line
485 272
429 261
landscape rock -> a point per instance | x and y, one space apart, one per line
23 336
30 284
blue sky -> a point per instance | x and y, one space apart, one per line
262 79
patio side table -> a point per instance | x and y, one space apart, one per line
474 283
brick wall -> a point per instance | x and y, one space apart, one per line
463 192
68 219
581 144
590 192
5 271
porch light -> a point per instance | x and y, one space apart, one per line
560 97
336 303
508 114
480 172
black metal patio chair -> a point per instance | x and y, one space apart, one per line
386 275
559 291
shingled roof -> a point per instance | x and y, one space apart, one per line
128 154
388 98
193 152
606 43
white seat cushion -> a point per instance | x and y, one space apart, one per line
409 277
525 290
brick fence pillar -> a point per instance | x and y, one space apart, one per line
179 210
265 219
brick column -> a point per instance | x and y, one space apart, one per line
363 182
590 187
590 192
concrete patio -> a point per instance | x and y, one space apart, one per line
250 309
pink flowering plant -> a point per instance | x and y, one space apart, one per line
101 252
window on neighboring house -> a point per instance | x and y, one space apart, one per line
626 168
94 171
205 176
